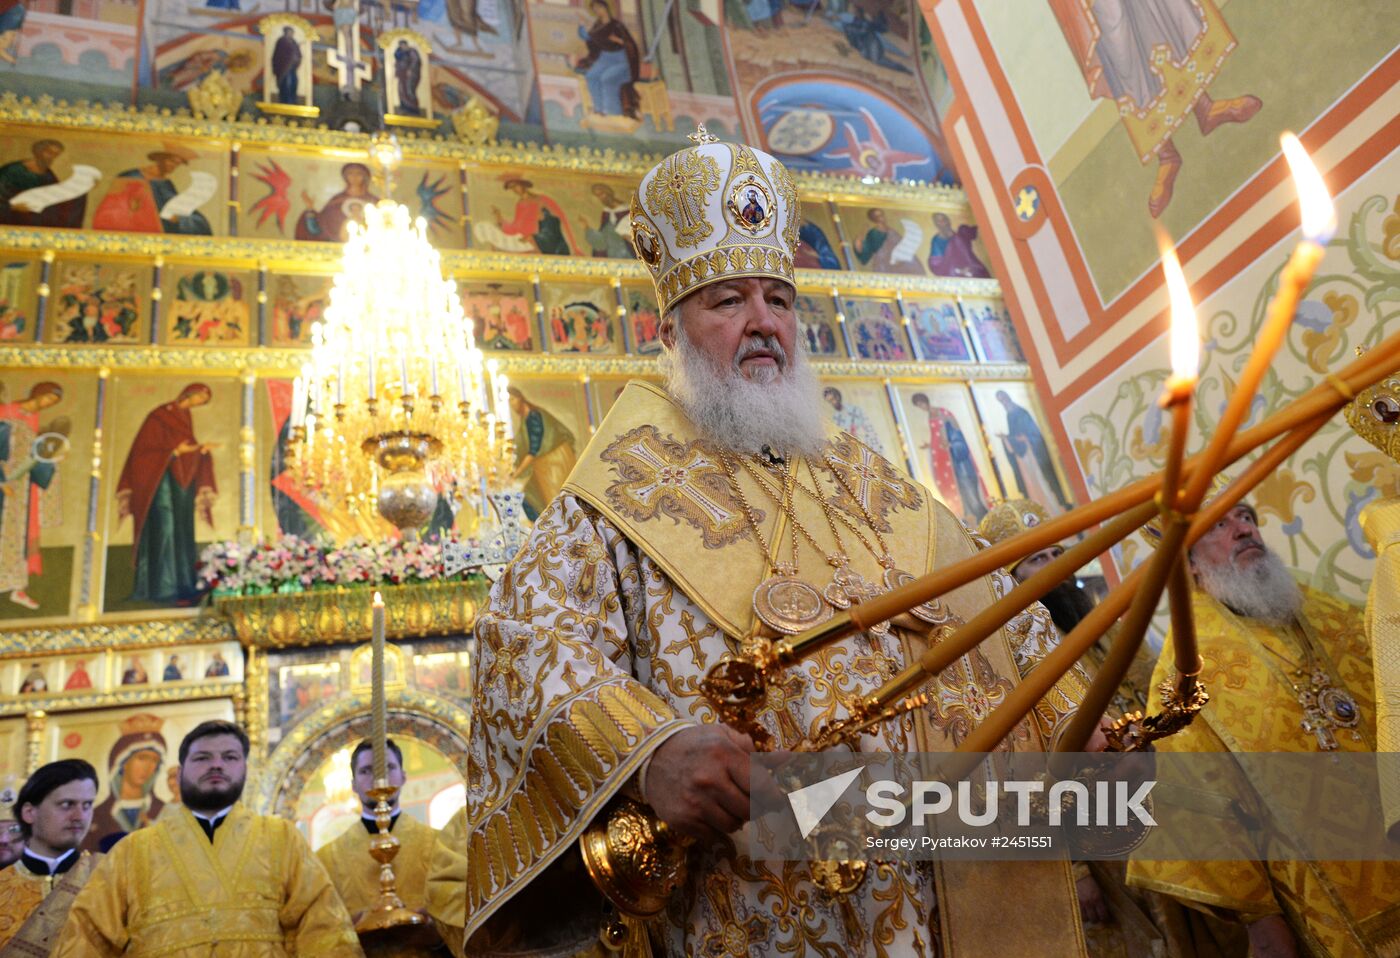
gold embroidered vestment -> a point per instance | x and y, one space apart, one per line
1336 908
634 582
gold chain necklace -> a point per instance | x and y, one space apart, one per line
932 611
847 587
783 601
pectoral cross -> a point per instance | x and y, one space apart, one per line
1317 722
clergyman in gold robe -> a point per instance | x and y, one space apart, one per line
55 812
1289 670
694 516
347 859
1119 922
212 879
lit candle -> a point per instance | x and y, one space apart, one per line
433 373
491 367
369 369
379 730
1186 355
1319 219
403 369
340 380
462 386
490 431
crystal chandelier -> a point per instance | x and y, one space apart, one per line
397 407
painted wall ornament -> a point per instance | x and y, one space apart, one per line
214 98
474 123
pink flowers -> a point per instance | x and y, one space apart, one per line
291 563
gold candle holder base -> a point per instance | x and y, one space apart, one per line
389 912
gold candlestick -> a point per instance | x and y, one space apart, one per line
389 911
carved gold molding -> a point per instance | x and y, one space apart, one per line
121 635
463 264
128 696
275 131
271 361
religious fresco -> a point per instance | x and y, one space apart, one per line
826 125
581 319
95 302
516 212
69 180
600 74
862 409
550 418
284 505
1025 458
1176 136
46 429
296 302
876 328
71 50
299 689
13 735
818 240
936 327
446 673
817 325
992 330
946 448
135 751
502 314
204 306
851 89
914 242
172 486
868 44
642 320
290 196
19 282
476 49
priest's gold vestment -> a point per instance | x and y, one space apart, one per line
1335 908
34 907
356 875
256 891
445 887
634 582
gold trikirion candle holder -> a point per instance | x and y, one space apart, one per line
389 912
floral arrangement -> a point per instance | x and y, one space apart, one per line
294 564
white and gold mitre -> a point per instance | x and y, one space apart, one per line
714 211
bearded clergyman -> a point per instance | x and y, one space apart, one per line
213 879
716 509
1292 668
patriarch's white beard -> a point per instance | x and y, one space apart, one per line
779 408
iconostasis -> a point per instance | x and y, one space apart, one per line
163 274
